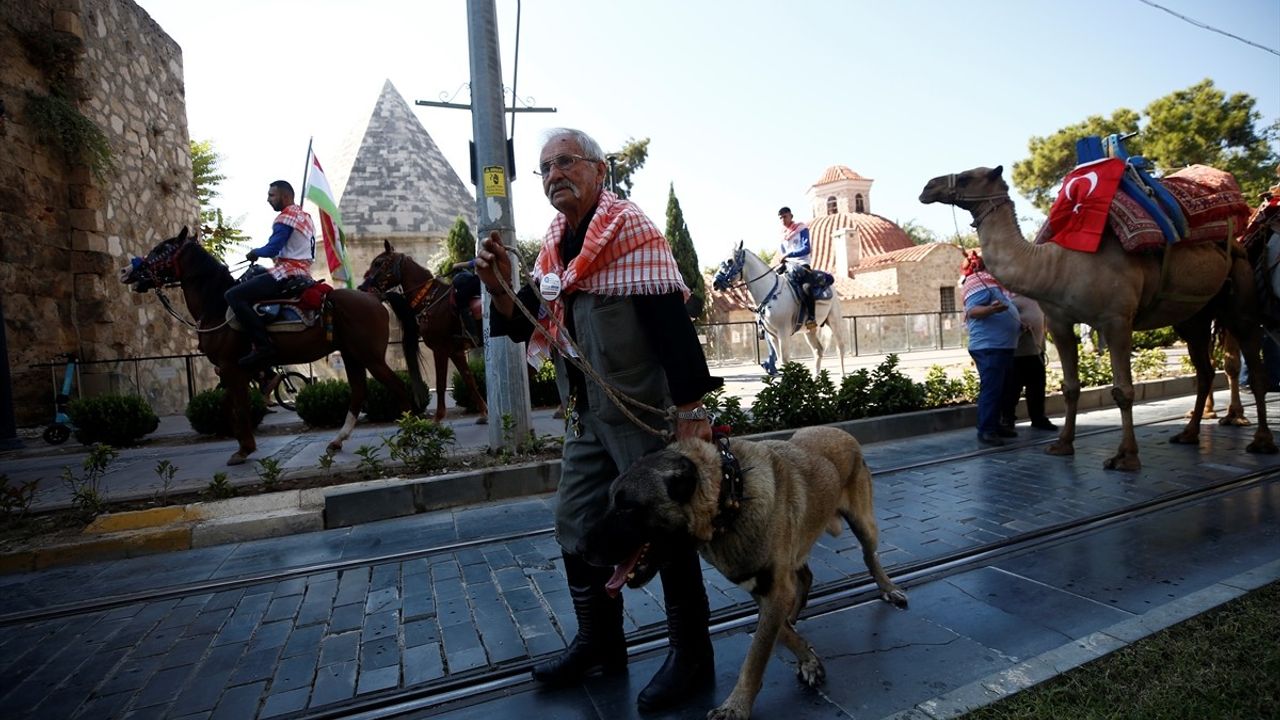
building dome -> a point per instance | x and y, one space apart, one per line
862 234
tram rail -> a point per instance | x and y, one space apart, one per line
448 693
202 587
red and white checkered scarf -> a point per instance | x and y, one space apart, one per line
981 280
298 219
623 253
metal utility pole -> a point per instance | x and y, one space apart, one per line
506 379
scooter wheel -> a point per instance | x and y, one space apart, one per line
56 434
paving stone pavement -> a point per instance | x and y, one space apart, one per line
291 643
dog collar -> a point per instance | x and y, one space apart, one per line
731 485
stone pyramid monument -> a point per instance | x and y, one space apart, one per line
393 183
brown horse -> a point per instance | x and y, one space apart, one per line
428 298
360 330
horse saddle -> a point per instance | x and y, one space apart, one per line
281 315
821 284
296 309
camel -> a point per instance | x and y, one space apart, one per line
1118 292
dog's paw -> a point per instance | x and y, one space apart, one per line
811 672
729 711
895 597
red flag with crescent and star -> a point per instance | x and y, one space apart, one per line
1079 215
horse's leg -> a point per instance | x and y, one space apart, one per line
838 339
459 358
1064 339
236 381
1119 340
442 380
359 387
815 344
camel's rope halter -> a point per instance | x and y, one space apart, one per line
986 204
575 357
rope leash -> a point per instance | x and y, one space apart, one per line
575 357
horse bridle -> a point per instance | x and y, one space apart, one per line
985 204
739 261
161 268
383 281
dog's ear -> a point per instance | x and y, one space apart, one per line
682 483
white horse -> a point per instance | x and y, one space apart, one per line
778 307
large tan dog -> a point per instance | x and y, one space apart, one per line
791 491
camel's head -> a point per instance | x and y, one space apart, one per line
729 269
158 268
967 189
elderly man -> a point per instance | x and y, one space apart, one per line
610 283
293 246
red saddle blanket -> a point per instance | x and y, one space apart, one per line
313 297
1210 198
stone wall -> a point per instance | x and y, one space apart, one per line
64 231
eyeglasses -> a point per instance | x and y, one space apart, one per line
563 162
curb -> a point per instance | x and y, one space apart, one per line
1033 671
203 524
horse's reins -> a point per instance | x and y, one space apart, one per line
423 292
170 261
576 359
746 282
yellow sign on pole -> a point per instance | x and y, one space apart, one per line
495 181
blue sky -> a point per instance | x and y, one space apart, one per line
746 103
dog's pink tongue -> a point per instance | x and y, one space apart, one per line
620 572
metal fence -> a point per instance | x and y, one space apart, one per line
738 343
168 382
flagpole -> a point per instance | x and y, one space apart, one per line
302 194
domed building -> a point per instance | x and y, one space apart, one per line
879 270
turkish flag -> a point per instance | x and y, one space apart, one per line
1079 215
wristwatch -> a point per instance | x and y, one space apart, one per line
698 413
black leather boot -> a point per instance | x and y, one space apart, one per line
600 645
690 663
262 354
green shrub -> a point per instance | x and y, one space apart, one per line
727 411
210 414
1095 369
1148 364
419 443
853 401
941 389
324 403
892 392
794 398
1158 338
543 391
380 404
116 420
460 393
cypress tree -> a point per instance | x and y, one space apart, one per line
685 254
460 245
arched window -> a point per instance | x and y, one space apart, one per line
859 206
831 205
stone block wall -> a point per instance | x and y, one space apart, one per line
64 231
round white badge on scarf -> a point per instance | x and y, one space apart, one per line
550 287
